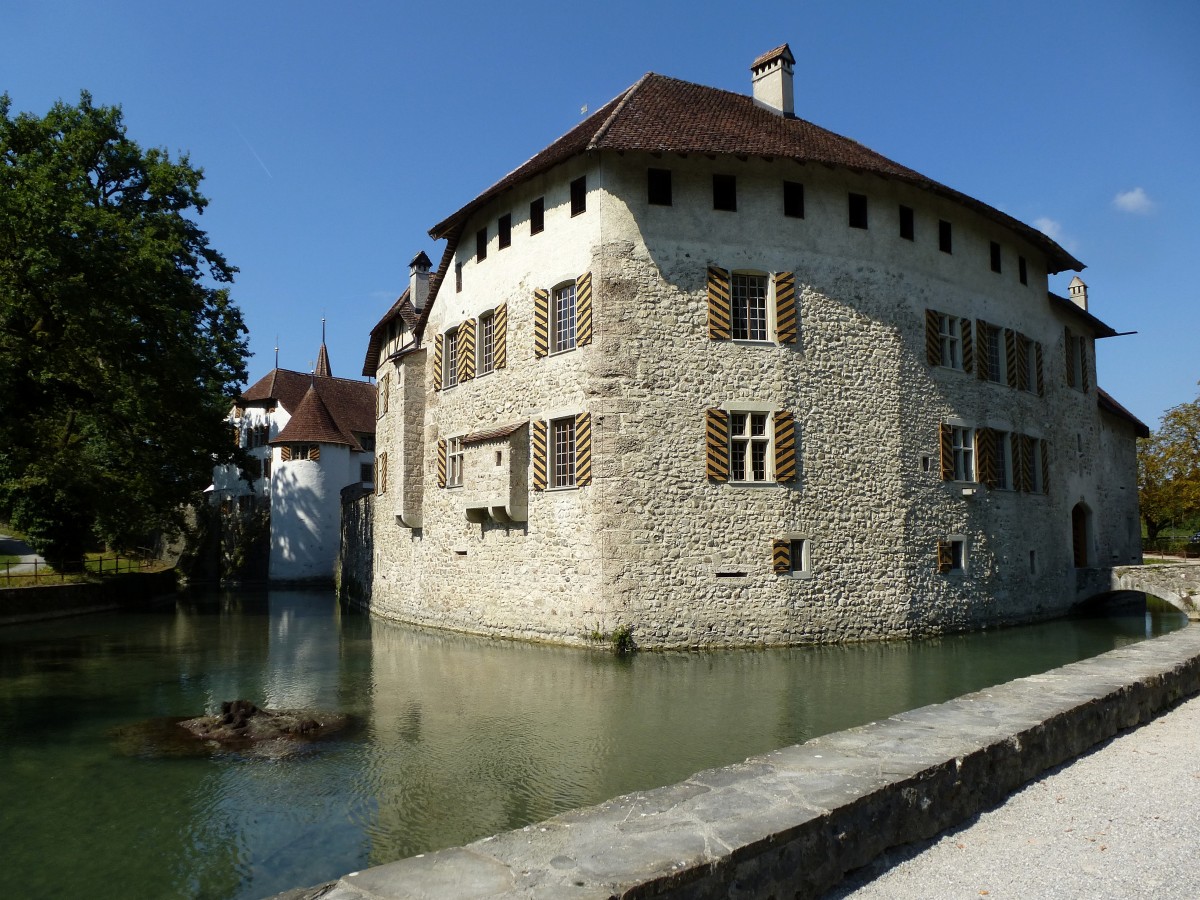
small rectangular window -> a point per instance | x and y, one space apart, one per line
562 444
906 222
799 556
504 231
725 192
579 195
1022 270
486 345
858 210
944 237
658 187
793 200
450 359
958 555
1032 562
481 245
458 278
563 321
962 449
454 462
995 257
537 215
366 473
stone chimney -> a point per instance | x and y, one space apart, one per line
418 280
1078 291
771 77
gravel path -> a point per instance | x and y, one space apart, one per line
1120 822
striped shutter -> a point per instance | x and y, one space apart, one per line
384 388
1026 463
500 337
537 440
947 452
716 444
1041 381
781 556
719 322
466 351
785 446
1083 365
285 453
541 322
968 345
933 337
314 452
1067 357
945 557
381 474
985 446
1010 356
1045 467
583 310
1022 363
786 326
583 449
437 363
441 462
981 359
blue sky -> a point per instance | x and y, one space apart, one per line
333 137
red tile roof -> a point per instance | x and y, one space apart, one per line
350 404
313 422
495 433
771 55
664 115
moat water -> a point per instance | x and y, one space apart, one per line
459 737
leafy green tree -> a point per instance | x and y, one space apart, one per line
120 350
1169 469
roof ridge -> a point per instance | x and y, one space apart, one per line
612 117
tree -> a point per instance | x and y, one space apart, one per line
120 349
1169 469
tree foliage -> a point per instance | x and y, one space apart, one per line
1169 469
120 350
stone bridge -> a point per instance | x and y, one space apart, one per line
1177 583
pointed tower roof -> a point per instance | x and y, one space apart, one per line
313 422
322 369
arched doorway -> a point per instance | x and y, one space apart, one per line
1081 534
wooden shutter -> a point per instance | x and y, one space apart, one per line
285 453
583 310
466 350
945 557
1083 365
981 358
946 444
781 556
583 449
1067 355
785 446
1022 363
1041 381
1026 443
537 440
441 463
541 322
314 452
985 447
1045 467
1010 356
933 337
437 363
968 344
384 387
381 475
719 322
500 337
716 444
786 326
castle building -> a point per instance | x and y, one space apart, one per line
706 370
309 437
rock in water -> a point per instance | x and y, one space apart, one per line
241 723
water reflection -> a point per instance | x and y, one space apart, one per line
464 737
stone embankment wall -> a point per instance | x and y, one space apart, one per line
795 821
1178 584
52 601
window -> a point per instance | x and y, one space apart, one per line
454 462
793 200
381 395
725 193
1022 270
1032 562
858 210
995 257
579 195
950 336
958 555
1076 350
658 187
945 239
450 359
563 318
481 244
458 278
301 452
366 473
537 215
994 354
906 223
562 449
486 346
748 295
799 556
504 231
749 446
1004 460
1031 354
1037 471
266 465
962 450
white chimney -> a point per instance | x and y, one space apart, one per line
771 77
418 280
1078 292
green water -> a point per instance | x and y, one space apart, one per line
459 737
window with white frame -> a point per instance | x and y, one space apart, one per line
1031 364
450 359
962 448
749 446
950 336
799 556
486 345
454 462
958 555
1004 461
562 318
993 348
748 296
562 452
